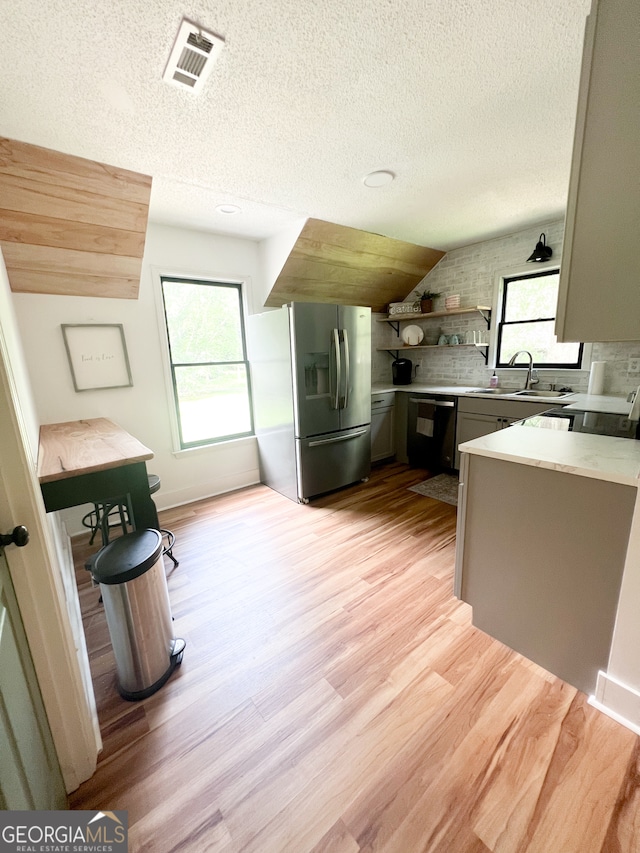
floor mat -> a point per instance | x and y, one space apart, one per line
442 487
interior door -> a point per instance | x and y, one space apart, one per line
316 357
47 611
30 775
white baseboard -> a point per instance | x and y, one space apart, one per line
618 701
223 485
177 497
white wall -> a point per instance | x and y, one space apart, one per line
273 254
144 409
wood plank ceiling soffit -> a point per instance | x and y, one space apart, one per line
70 226
335 264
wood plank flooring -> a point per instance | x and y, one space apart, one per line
334 697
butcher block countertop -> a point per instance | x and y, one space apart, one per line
84 447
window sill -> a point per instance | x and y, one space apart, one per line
215 447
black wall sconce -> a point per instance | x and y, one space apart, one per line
542 252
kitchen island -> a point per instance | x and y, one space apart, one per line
544 522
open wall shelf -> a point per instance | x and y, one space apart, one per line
392 350
483 310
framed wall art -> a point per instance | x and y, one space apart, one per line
97 354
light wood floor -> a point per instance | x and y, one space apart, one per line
335 697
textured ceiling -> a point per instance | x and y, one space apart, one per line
471 103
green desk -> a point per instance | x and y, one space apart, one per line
92 461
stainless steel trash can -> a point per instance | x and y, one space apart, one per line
130 571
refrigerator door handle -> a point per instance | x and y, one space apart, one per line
337 438
335 403
347 369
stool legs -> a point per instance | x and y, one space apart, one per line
92 520
98 520
154 485
104 525
168 550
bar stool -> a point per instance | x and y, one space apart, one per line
99 519
154 486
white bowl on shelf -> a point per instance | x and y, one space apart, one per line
412 335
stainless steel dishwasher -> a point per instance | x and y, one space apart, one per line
431 431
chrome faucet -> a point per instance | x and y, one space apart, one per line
530 381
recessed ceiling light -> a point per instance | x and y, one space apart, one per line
378 179
228 209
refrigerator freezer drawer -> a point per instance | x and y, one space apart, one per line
328 462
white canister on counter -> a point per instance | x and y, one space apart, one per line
596 378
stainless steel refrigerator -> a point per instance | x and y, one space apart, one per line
311 388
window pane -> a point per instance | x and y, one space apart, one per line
213 401
532 298
539 339
204 322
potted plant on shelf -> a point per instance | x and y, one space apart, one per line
426 300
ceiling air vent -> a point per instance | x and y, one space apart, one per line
192 57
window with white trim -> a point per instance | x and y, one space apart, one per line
208 360
526 321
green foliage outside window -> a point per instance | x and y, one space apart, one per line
208 360
527 322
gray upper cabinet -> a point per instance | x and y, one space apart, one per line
599 297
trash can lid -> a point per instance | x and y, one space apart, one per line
127 557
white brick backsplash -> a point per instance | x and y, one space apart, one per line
471 271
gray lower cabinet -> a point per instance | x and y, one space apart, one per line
479 416
383 443
539 557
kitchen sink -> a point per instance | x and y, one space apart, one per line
502 391
534 392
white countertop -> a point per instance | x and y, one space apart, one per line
598 403
601 457
422 388
589 402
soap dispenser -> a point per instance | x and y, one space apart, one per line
493 382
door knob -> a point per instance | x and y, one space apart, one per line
19 536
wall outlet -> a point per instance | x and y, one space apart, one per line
633 365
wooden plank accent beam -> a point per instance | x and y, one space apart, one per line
37 230
69 225
335 264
